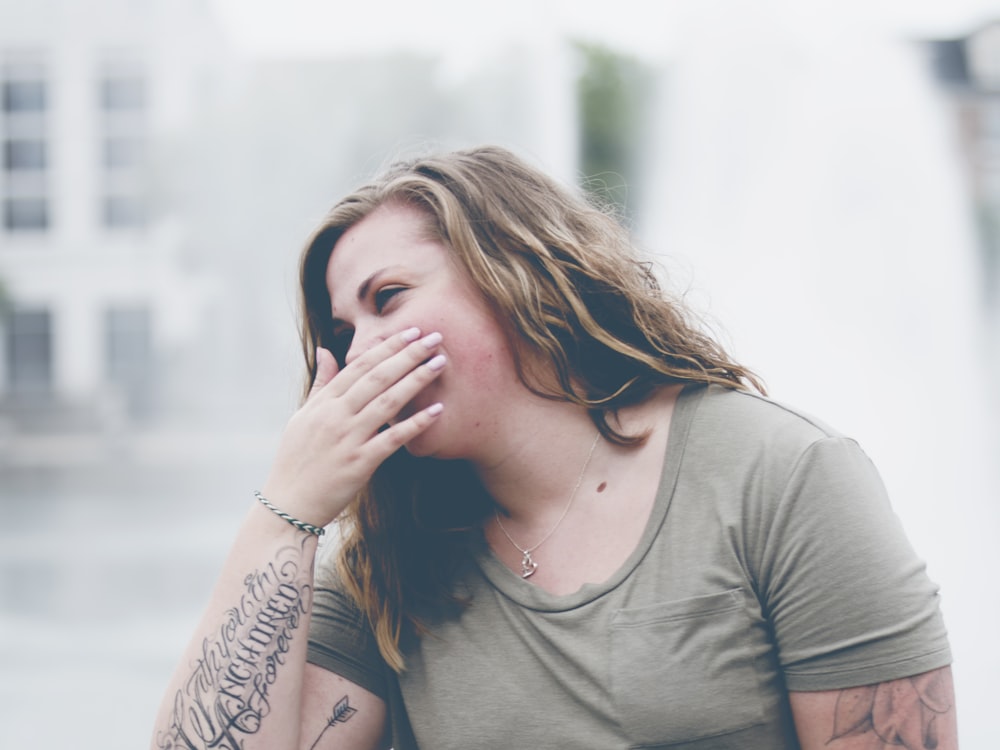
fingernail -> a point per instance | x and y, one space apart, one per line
436 363
410 334
435 409
431 340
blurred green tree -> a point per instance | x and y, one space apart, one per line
613 94
6 301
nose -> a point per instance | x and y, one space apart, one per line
362 341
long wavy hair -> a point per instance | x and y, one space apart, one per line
587 322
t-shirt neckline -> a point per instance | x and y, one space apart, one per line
508 583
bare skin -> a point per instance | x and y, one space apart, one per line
916 713
240 683
423 356
610 510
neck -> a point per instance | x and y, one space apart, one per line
531 479
541 453
551 493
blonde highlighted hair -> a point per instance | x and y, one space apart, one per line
587 322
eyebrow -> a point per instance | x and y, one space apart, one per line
365 286
367 283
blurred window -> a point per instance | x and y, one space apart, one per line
124 212
127 344
24 160
29 351
25 214
24 154
123 92
123 101
24 95
128 356
123 153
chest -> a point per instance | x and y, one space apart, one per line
604 524
647 664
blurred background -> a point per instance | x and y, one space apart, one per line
820 179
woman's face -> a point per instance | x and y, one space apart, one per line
387 274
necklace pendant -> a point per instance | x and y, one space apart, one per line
528 565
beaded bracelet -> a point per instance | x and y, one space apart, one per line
301 525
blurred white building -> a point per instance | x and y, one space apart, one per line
155 191
95 290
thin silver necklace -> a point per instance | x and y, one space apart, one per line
528 564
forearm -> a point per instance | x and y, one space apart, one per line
239 682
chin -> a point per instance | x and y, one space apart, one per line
434 443
422 445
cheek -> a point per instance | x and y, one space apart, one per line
487 362
474 343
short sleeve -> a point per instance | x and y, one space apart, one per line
849 601
341 641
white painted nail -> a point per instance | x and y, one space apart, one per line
436 363
431 340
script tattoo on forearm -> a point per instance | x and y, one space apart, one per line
226 697
901 713
342 712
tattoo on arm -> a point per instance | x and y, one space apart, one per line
342 712
901 713
226 697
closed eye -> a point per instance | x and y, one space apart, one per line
385 295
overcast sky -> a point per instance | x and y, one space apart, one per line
464 30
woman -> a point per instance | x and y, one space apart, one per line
566 518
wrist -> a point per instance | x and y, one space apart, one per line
298 523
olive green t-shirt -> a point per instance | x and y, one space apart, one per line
771 561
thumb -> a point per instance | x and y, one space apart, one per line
326 368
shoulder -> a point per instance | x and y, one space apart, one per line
740 426
760 459
729 409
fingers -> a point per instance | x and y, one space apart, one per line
375 372
390 440
353 372
378 384
373 390
385 406
335 436
326 369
